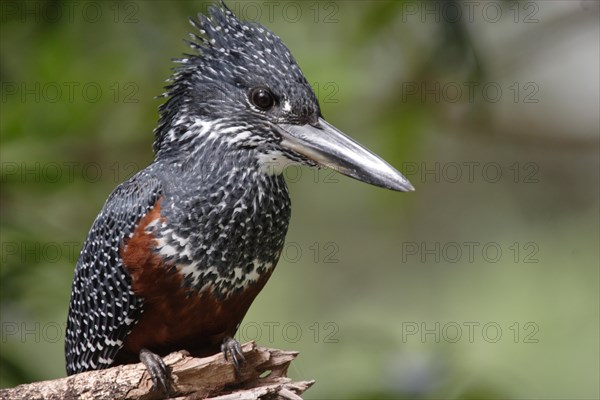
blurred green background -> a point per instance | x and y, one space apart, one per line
484 283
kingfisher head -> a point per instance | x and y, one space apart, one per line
242 90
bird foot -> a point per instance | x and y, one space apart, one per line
231 349
158 370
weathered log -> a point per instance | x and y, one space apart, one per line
262 376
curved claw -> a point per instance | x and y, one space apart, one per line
158 370
231 348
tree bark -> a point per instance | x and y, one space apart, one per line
262 376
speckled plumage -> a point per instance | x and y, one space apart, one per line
224 215
103 306
179 252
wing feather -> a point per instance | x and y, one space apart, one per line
103 307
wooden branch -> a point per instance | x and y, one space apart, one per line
262 376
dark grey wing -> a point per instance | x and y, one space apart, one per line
103 308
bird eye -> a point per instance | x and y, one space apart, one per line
262 98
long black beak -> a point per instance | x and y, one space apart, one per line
329 147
